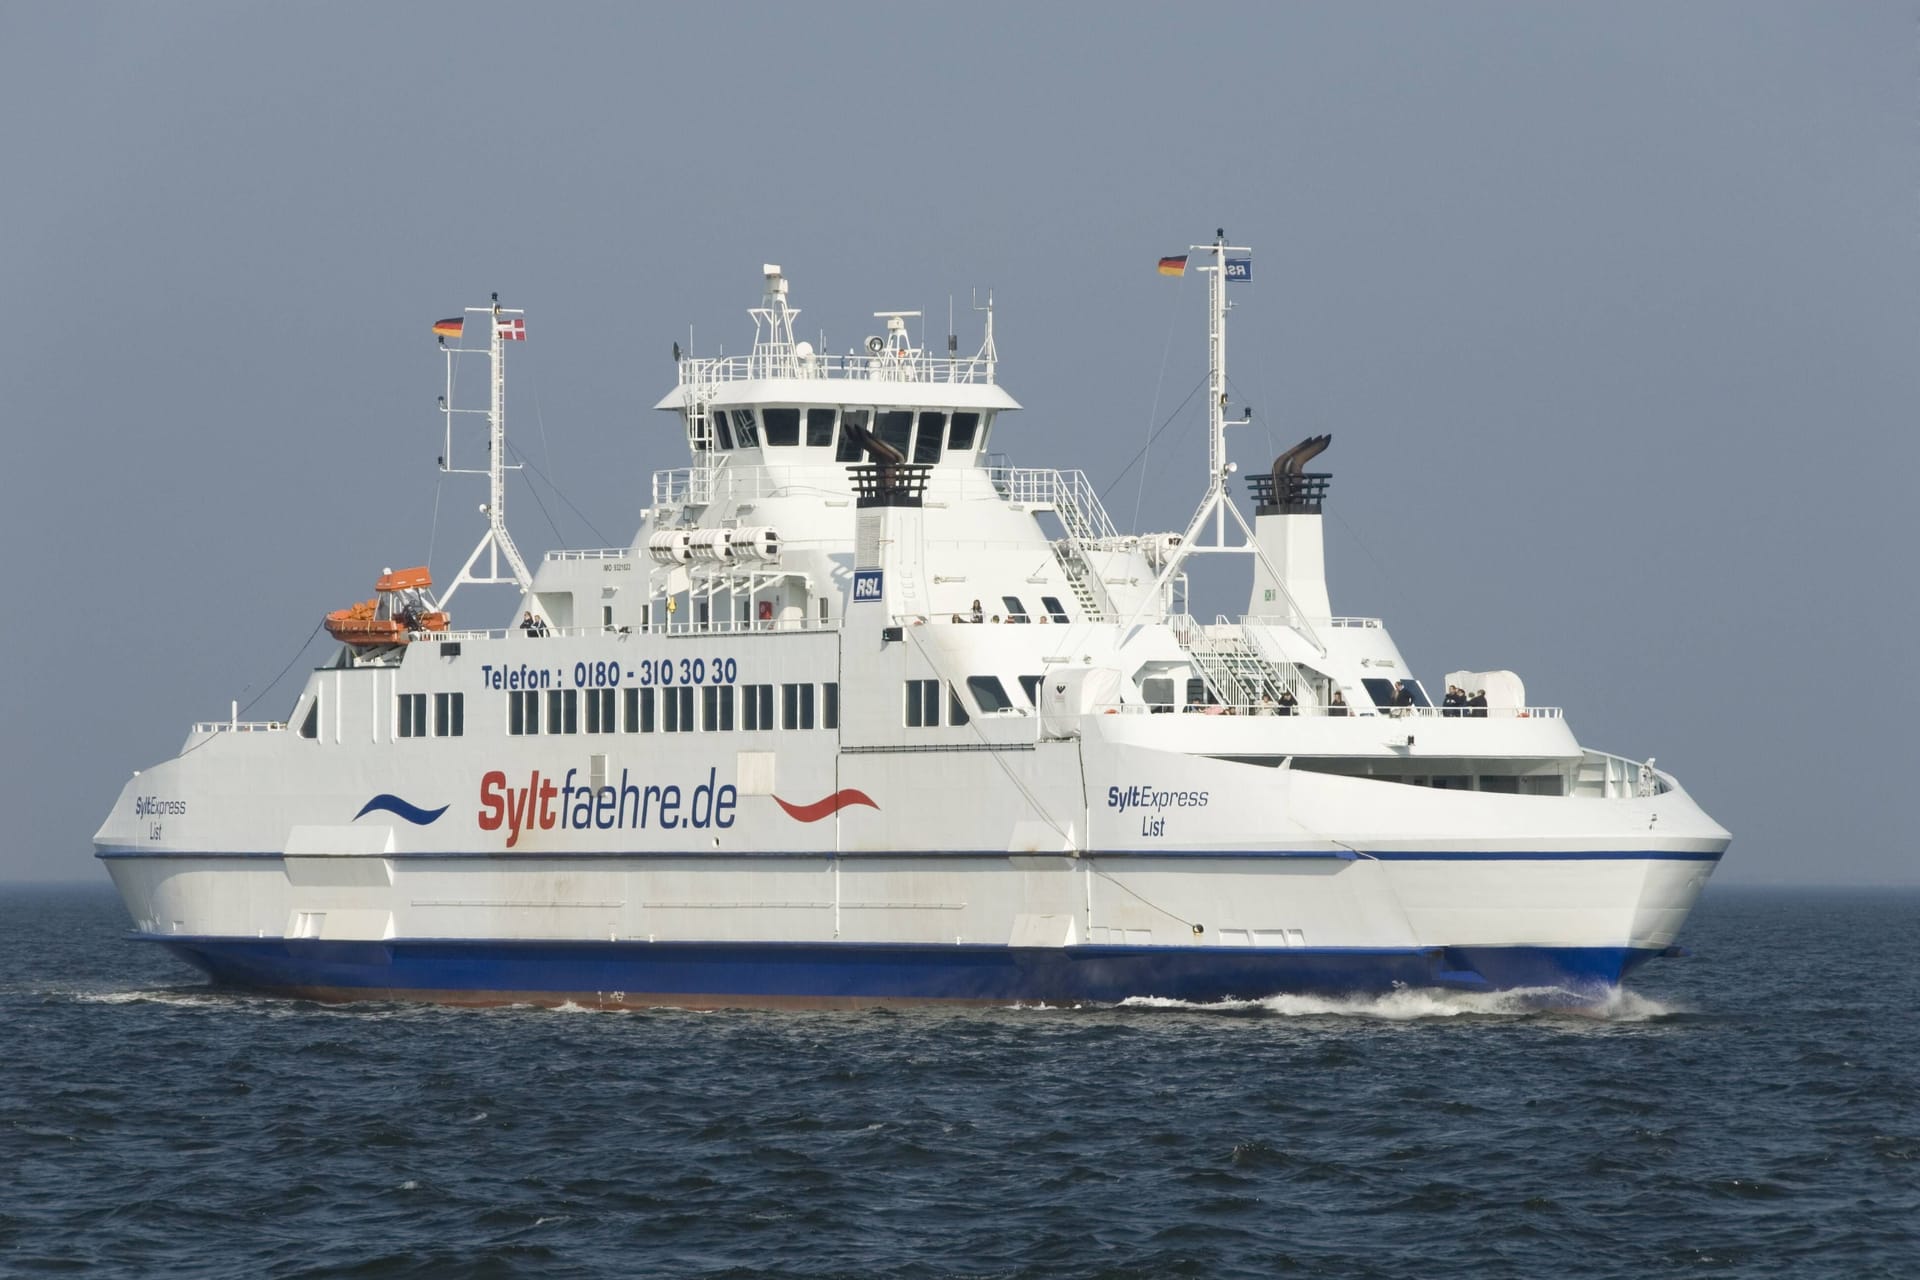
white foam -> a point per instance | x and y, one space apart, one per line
1413 1004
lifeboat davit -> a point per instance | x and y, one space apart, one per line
402 608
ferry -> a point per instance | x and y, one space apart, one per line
864 714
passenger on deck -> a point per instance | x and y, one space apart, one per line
1288 702
996 617
1478 703
1403 700
1456 698
1339 705
528 625
978 616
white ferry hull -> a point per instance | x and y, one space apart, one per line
619 930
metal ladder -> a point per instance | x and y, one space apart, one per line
1235 670
1079 576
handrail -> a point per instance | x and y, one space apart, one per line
904 367
593 553
716 626
1347 713
239 726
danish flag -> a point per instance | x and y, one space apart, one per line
514 330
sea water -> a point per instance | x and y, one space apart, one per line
1753 1110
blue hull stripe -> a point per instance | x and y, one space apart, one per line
864 973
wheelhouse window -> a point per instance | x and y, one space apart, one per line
1055 610
849 450
961 433
896 428
926 441
989 694
782 426
819 428
721 434
745 433
1030 685
1016 612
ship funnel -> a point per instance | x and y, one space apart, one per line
1287 526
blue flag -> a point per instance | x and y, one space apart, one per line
1239 270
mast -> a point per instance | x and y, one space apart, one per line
504 326
1217 503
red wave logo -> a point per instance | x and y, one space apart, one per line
821 808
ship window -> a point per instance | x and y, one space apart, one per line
1419 694
796 706
716 708
783 425
563 711
1157 690
1016 612
849 450
1505 784
1030 685
449 715
413 715
523 711
310 727
600 712
720 431
638 710
676 710
956 710
896 428
988 693
926 445
923 703
830 706
1381 691
819 428
1054 608
960 434
758 710
745 433
986 429
1543 784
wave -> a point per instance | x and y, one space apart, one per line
1417 1004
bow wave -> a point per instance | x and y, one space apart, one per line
821 808
394 804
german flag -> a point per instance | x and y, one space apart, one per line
449 328
1174 266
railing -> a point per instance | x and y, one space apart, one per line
239 726
1067 492
1332 713
912 367
716 626
593 553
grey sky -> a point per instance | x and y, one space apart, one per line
1611 313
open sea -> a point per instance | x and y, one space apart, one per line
1751 1111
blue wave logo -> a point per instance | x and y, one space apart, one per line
394 804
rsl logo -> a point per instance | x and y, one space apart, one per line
866 585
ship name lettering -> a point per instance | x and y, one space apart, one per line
1148 796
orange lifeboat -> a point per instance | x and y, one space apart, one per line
402 609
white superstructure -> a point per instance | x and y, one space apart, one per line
864 714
